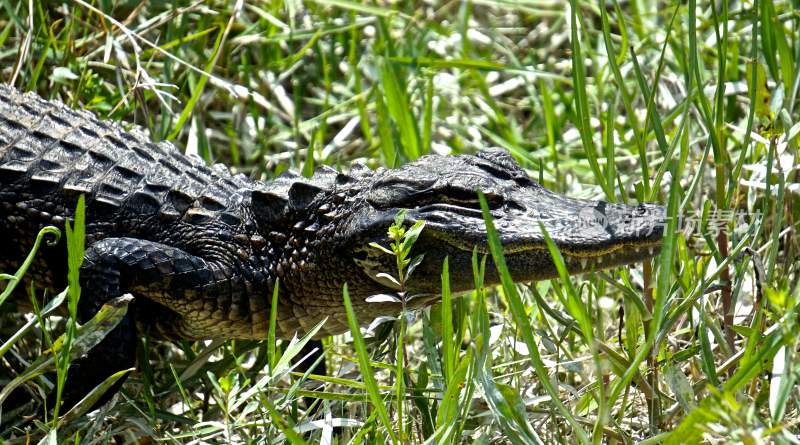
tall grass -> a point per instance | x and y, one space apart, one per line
690 104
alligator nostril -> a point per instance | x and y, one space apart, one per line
641 210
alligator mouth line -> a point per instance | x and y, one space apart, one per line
609 252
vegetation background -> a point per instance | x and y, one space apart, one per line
686 103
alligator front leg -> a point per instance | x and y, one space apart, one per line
112 267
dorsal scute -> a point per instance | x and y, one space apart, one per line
302 194
290 194
360 169
275 201
268 204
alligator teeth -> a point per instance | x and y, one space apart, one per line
650 250
637 249
583 263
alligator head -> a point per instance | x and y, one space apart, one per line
442 192
349 212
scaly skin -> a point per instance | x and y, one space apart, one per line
201 249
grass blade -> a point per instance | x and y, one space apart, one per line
521 318
366 370
398 106
582 106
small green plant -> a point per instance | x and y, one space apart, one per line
402 240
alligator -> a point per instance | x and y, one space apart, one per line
201 249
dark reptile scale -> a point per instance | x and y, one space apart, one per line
180 228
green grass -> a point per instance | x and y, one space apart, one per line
693 105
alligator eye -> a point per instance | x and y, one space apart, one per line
469 198
402 195
397 195
494 201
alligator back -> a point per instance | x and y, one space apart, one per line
51 154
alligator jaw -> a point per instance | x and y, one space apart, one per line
590 235
528 257
576 261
